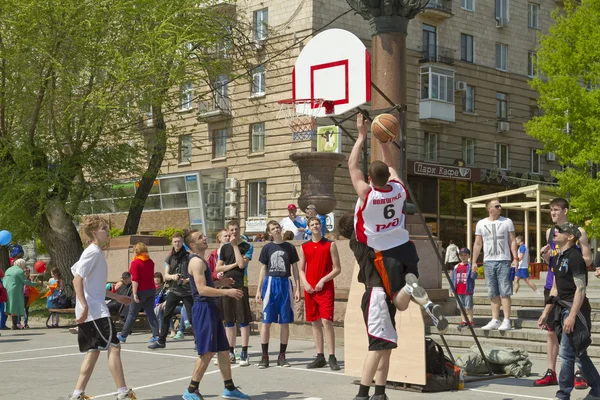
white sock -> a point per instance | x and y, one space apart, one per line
408 289
428 304
77 392
122 390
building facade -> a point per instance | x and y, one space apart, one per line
468 67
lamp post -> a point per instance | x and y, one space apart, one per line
389 23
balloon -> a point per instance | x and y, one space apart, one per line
5 237
40 267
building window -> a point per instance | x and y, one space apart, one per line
468 5
501 56
429 43
502 11
466 48
468 146
431 146
469 100
534 111
531 61
185 148
502 156
258 137
186 97
437 84
261 24
220 143
221 93
502 106
536 162
257 199
533 16
259 79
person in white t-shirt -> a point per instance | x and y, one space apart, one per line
96 330
523 268
293 223
496 234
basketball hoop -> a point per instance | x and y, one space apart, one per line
301 115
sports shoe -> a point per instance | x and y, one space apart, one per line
192 396
157 345
244 360
121 338
333 365
281 362
234 394
74 330
172 335
179 335
82 396
580 383
420 296
19 326
216 359
264 362
506 325
127 395
548 379
153 339
186 325
493 324
232 358
318 362
463 324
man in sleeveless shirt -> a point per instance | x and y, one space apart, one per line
319 264
559 209
207 322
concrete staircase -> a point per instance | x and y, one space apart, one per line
527 306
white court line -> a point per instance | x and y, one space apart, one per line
315 370
510 394
162 383
42 349
157 353
44 357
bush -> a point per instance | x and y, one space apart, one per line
480 271
168 233
41 249
114 232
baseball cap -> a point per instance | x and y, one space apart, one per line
292 207
125 275
465 251
569 228
311 206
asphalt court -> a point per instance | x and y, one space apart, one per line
43 364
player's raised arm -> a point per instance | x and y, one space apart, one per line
388 159
356 174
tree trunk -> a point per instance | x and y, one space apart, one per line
59 235
158 143
4 258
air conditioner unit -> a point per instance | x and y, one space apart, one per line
212 199
500 22
461 86
503 126
231 212
550 156
212 185
232 184
231 197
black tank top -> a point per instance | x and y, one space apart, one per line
209 282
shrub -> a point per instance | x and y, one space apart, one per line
168 233
114 232
41 249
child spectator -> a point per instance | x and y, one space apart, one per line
3 300
463 278
26 293
54 288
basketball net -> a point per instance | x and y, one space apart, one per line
300 116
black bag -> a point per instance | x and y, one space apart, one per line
434 357
62 300
441 374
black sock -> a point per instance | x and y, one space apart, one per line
245 349
265 349
363 391
193 386
229 384
15 320
321 355
282 348
231 349
379 389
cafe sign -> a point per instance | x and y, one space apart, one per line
440 171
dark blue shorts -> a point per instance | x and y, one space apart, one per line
278 300
522 273
208 328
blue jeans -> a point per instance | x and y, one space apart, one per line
183 317
567 374
3 317
146 298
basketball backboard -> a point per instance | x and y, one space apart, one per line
334 65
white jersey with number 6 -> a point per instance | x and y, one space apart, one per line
379 222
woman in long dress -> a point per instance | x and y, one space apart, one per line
14 282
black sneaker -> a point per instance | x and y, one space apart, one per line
318 362
420 295
157 345
333 365
264 362
281 362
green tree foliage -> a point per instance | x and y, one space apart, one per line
168 233
568 81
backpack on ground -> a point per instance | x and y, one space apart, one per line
441 374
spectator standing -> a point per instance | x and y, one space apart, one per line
496 234
311 211
14 281
523 267
463 278
3 300
26 294
213 258
143 292
451 255
294 223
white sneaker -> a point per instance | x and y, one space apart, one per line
506 325
127 395
216 360
493 324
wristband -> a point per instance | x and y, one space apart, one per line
516 258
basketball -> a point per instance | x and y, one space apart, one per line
39 267
385 127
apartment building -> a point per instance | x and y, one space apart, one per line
468 67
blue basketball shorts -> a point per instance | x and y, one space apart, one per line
278 300
208 328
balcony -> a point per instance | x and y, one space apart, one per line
437 54
217 109
436 112
438 10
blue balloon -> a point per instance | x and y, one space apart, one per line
5 237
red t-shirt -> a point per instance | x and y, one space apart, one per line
318 262
462 274
142 272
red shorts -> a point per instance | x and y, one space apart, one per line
319 305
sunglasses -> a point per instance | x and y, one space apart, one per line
559 230
498 206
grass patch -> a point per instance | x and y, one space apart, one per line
38 309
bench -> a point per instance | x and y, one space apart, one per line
54 311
